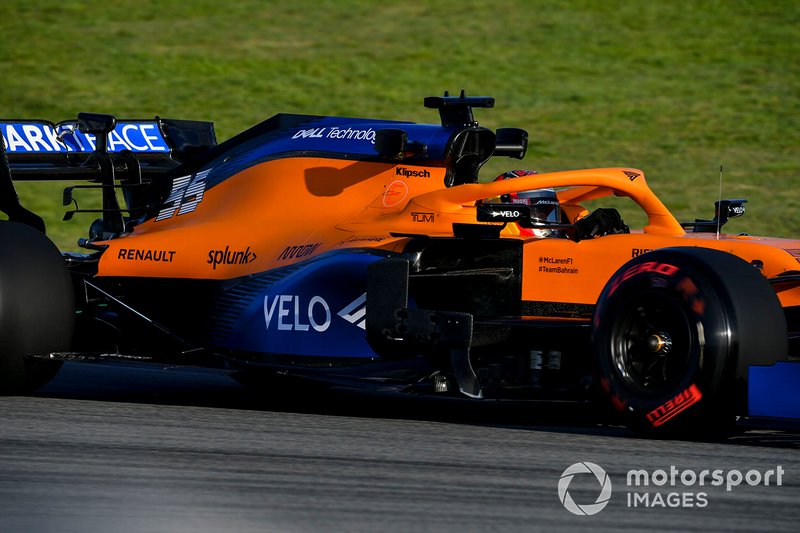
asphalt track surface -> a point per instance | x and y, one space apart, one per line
120 448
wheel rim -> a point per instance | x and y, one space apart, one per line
654 342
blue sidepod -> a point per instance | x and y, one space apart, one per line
316 308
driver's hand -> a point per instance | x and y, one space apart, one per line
602 221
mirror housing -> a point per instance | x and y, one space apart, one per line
724 210
511 142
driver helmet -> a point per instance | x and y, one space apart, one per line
544 204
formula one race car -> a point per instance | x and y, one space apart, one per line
366 254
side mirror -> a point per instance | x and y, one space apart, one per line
511 142
724 210
727 209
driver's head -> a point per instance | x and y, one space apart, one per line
513 197
545 208
544 205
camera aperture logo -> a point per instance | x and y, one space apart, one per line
660 488
590 508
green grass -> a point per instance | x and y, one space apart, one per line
675 88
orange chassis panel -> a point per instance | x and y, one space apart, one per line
287 210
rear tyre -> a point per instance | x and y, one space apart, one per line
37 308
673 334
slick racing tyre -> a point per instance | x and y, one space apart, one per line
673 334
37 308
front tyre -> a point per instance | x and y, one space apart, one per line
37 308
673 334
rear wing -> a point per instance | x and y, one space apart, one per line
42 150
95 148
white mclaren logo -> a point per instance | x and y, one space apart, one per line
602 499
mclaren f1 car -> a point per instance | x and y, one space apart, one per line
367 253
